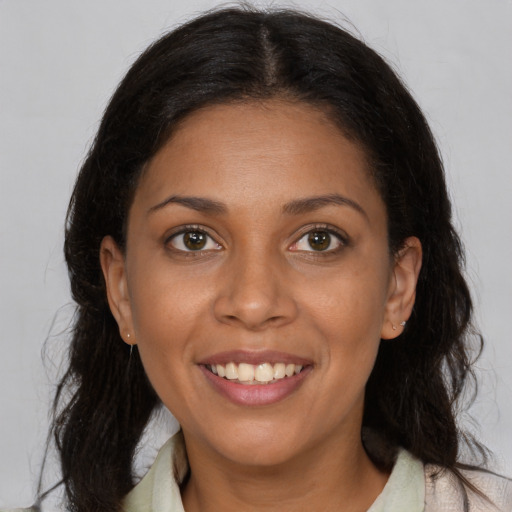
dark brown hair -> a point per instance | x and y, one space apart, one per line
242 54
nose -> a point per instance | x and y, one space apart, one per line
255 295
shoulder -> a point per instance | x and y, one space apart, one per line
444 492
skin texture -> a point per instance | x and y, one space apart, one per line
258 285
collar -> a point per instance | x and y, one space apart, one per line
159 490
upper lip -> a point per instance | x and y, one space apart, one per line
254 357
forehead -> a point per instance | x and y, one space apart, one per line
263 152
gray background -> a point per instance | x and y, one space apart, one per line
60 60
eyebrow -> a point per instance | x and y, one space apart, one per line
200 204
311 204
295 207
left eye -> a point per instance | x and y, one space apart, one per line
318 240
193 240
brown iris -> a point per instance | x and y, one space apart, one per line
319 240
194 240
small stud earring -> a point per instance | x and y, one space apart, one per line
403 323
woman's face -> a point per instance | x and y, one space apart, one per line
257 248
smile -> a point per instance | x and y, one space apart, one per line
255 378
263 373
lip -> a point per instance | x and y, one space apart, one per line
255 394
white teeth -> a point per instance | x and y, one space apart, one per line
255 374
245 372
231 371
279 370
264 372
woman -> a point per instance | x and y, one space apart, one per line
263 219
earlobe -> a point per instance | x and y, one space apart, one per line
114 271
402 295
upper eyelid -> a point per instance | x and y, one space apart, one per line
187 228
342 235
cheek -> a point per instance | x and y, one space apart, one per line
348 310
167 313
351 339
164 299
349 307
163 329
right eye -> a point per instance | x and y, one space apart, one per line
193 240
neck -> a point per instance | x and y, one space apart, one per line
320 479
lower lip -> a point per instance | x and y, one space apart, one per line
256 394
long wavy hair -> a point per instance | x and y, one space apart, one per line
244 54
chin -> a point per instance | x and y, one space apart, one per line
257 446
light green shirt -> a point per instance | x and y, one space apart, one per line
158 491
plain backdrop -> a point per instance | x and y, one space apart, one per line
60 61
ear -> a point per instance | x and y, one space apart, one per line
114 271
402 292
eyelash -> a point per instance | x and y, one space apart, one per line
341 237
